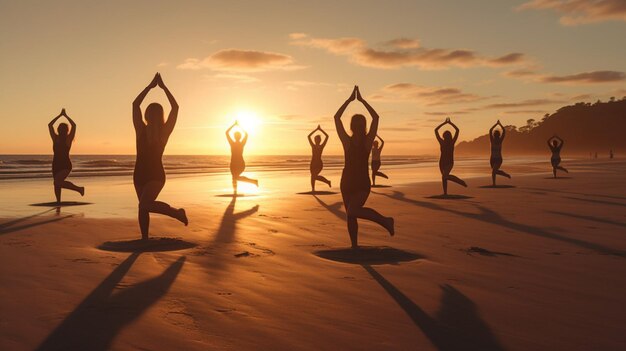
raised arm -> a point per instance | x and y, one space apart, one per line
491 131
503 130
245 136
439 138
561 141
341 131
137 116
51 125
309 137
173 116
325 136
371 135
456 131
72 133
230 139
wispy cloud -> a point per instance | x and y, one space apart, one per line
575 12
586 77
403 53
431 96
236 60
241 78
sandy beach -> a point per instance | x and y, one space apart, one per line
537 264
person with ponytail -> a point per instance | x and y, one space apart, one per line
62 141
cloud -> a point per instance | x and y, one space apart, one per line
236 60
524 112
297 84
523 103
440 113
429 95
404 53
521 73
404 43
575 12
586 77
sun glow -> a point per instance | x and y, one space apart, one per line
248 120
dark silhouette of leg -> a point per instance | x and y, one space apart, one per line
503 173
60 182
493 177
234 185
148 203
381 174
248 180
554 171
355 209
373 177
444 183
456 179
562 169
313 178
323 180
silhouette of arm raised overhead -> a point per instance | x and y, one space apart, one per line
341 131
561 142
325 135
371 135
137 116
310 136
439 138
53 134
245 136
72 133
456 131
228 137
503 130
173 116
491 131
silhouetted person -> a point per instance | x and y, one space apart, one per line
556 144
151 138
497 138
446 161
317 147
61 164
237 164
376 151
355 182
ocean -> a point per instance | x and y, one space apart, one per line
40 166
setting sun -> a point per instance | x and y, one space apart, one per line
249 121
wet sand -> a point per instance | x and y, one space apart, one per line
538 265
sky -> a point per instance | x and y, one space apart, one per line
283 67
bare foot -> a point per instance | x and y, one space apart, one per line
82 191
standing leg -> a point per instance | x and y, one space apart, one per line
312 183
148 203
59 178
356 209
444 183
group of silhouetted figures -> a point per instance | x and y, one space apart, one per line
152 132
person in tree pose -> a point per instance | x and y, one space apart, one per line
151 138
496 137
376 151
237 164
317 147
446 161
62 141
556 144
355 182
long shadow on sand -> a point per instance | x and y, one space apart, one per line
97 320
61 204
456 325
14 225
334 208
368 255
154 244
318 192
590 218
616 197
449 197
228 224
489 216
497 186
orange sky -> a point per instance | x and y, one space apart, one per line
290 67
